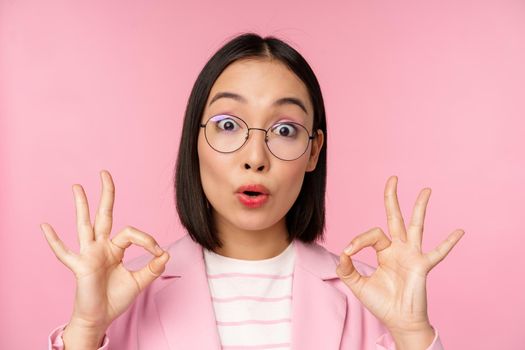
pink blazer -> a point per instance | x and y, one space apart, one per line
176 312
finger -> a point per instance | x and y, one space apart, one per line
349 275
150 272
84 228
374 237
415 228
442 250
131 235
396 225
63 254
104 217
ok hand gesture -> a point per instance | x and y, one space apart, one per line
396 292
105 288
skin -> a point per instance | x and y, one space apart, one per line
255 233
105 288
395 293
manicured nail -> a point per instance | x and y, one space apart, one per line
348 250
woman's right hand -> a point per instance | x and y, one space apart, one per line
105 288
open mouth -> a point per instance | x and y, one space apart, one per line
252 199
252 193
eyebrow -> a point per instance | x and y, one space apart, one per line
279 102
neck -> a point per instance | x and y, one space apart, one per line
243 244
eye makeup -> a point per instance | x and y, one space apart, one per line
278 118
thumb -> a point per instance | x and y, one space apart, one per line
347 272
150 272
157 265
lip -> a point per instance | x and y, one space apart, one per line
253 201
253 188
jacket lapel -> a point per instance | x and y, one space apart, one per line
186 311
318 308
184 305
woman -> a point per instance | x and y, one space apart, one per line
250 185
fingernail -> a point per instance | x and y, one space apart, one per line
348 249
158 250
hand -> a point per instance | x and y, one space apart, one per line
105 288
396 292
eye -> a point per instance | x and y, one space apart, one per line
227 124
284 130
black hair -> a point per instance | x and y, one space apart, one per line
306 218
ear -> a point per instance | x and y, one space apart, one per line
317 144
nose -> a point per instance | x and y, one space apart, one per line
255 151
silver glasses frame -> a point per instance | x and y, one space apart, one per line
310 136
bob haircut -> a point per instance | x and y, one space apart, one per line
306 218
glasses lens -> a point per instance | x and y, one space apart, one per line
288 140
225 133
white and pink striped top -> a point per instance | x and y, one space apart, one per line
252 300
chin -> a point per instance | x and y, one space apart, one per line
254 222
251 220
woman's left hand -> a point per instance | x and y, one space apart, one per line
396 292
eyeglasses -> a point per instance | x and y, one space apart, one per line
285 140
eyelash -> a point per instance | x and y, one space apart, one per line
289 125
277 121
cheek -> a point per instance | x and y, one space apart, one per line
213 170
206 165
291 180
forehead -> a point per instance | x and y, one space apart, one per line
261 82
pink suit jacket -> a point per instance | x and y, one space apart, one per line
176 311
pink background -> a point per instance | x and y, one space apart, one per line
432 92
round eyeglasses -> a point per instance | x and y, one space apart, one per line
286 140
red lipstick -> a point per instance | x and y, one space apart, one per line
252 196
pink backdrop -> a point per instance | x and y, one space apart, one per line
430 91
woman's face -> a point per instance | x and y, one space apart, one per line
258 83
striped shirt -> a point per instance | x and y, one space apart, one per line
252 300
